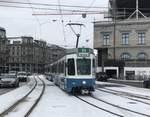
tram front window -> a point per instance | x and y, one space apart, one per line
83 66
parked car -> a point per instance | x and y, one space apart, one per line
9 80
101 76
49 76
22 76
13 72
146 83
28 73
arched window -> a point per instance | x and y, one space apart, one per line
142 56
125 56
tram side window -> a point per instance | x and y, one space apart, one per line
93 63
94 67
61 67
71 67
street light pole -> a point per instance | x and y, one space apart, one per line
114 38
114 35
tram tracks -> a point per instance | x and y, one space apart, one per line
111 105
133 97
21 102
98 107
37 101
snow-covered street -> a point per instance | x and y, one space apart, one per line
6 89
108 100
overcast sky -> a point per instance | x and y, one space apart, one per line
21 22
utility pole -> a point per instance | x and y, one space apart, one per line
114 35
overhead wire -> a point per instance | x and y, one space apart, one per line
33 11
52 9
90 6
43 4
34 16
62 21
77 6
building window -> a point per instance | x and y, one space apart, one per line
106 39
13 59
17 59
2 34
24 53
125 56
142 56
125 38
141 38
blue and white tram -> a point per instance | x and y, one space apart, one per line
75 72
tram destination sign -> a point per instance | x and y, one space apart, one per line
83 52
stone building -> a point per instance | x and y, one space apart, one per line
31 55
3 50
123 42
54 52
21 54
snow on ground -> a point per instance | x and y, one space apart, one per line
56 103
7 89
10 98
123 102
125 88
22 109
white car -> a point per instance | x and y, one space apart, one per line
22 76
9 80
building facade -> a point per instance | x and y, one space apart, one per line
3 50
123 41
123 44
31 55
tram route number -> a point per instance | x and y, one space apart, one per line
83 52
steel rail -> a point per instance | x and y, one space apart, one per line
37 101
120 107
130 94
99 107
124 95
18 101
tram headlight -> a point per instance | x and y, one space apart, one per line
84 82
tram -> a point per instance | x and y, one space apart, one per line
75 71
